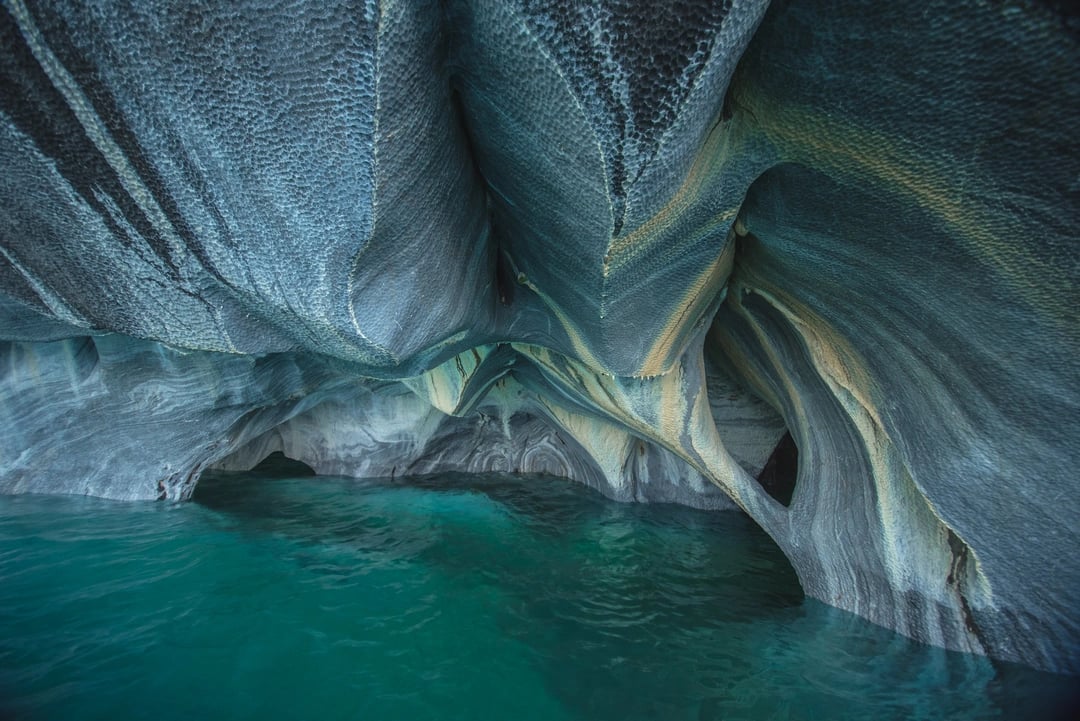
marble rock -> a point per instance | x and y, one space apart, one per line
812 260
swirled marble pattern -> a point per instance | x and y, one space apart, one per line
641 245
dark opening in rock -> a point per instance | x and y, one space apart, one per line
781 470
279 465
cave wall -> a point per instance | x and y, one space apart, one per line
634 244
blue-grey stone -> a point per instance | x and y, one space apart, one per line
646 246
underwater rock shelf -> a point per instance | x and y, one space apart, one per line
685 253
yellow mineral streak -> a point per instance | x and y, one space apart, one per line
664 410
695 300
948 190
701 177
446 386
623 250
577 341
835 358
904 519
608 444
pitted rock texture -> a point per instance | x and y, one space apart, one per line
640 245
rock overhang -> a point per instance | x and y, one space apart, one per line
476 235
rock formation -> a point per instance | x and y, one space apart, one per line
654 247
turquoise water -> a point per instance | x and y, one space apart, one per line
452 597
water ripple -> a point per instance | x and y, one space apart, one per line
449 597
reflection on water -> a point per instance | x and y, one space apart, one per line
449 597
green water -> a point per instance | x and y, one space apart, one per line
448 598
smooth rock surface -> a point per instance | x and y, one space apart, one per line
628 243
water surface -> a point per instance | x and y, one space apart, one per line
451 597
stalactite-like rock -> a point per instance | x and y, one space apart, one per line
664 251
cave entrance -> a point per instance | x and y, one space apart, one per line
752 430
278 465
781 470
231 489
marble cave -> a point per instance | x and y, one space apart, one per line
815 260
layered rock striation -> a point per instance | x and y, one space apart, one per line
665 249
